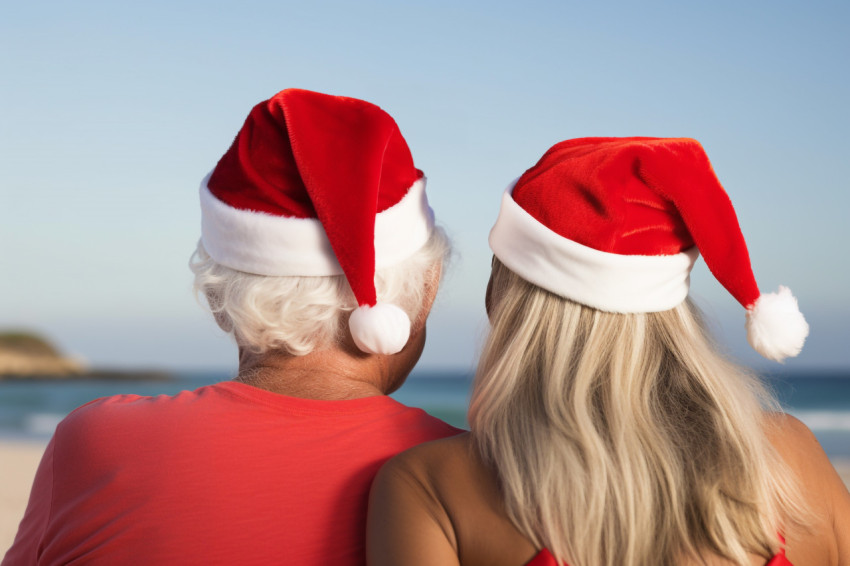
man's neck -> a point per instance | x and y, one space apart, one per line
332 374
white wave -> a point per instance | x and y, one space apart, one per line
825 420
41 423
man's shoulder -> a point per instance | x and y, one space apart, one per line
416 419
116 413
96 410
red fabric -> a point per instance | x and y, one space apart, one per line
640 196
545 558
227 474
305 154
779 560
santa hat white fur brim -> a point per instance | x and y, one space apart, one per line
605 281
259 243
776 328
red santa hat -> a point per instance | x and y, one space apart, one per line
318 185
617 224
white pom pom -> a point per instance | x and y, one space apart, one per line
382 329
776 328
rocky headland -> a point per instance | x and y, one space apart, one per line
26 355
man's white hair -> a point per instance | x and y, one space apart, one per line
302 314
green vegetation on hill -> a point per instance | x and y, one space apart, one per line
26 354
27 343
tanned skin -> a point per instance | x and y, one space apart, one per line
438 504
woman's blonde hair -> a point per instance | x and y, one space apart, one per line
299 315
625 439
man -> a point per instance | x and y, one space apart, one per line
319 254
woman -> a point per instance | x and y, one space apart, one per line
314 215
606 429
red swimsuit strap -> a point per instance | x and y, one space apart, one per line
545 558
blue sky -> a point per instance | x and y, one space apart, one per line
113 112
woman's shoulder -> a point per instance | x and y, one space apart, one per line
424 476
436 453
447 481
788 432
427 467
798 447
448 469
407 515
822 488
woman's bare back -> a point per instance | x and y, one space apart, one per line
439 504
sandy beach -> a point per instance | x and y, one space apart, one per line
19 460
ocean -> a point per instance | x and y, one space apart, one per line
30 410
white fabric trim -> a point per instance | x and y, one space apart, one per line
260 243
606 281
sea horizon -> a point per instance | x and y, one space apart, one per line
31 409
